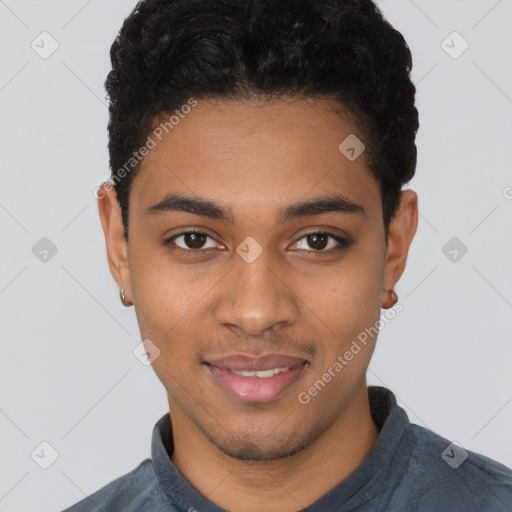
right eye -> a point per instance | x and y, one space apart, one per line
191 241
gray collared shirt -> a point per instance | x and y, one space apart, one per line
410 469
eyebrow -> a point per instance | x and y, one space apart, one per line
335 203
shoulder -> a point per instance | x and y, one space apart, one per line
134 491
445 475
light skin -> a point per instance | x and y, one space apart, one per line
302 296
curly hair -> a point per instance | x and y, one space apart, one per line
168 51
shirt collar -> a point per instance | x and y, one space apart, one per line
367 480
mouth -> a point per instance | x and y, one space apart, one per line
256 379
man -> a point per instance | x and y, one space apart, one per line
258 224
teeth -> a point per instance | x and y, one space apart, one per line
244 374
261 374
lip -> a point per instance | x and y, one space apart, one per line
247 362
254 389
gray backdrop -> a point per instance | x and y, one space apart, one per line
75 399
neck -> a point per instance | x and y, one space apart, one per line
284 485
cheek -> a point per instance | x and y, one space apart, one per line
166 310
169 297
158 291
350 310
349 300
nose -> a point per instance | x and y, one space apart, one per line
256 297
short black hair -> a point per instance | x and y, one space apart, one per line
169 52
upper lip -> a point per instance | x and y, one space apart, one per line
247 362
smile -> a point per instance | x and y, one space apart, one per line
255 380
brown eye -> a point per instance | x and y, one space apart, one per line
192 241
322 242
318 241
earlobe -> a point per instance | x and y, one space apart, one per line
402 229
389 299
113 230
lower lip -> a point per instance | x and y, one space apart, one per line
254 389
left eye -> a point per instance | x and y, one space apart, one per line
322 241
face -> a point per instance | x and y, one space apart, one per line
256 257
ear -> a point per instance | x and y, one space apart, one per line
402 229
117 247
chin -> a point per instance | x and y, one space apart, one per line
261 445
255 451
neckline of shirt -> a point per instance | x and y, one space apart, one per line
363 484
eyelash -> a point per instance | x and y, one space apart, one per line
343 243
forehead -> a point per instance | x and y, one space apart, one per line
253 154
